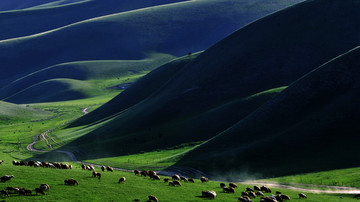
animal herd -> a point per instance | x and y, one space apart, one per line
247 195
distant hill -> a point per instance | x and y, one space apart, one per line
26 89
45 15
211 93
6 5
174 29
11 113
310 126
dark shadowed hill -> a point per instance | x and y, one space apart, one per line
310 126
173 29
207 95
26 4
57 14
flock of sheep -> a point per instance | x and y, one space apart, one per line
175 180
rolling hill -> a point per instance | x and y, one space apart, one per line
209 94
27 89
41 17
11 113
174 29
310 126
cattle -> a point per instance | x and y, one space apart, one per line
98 175
191 180
6 178
83 166
153 198
284 197
156 177
103 168
1 161
252 194
27 191
277 192
137 172
143 173
94 173
166 180
259 193
204 179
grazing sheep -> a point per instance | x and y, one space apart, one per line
65 166
191 180
204 179
108 168
103 168
28 192
137 172
244 199
143 173
98 175
11 190
171 184
257 188
259 193
177 182
228 190
249 189
6 178
156 177
267 199
183 179
153 198
39 190
176 177
166 180
284 197
252 194
123 179
151 173
301 195
3 192
44 187
265 189
94 173
71 182
208 194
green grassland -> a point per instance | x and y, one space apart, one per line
108 188
340 177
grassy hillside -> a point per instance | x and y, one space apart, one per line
108 188
44 15
243 64
310 126
11 113
101 76
174 29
